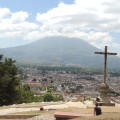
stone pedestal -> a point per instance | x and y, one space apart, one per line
106 104
104 88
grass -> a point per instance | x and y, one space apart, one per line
105 116
109 113
80 110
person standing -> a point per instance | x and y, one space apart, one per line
97 110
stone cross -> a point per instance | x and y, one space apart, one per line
105 60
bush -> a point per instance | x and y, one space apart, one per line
48 97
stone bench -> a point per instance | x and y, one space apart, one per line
69 115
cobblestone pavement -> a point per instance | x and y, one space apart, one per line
43 117
15 110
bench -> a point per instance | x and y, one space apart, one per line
69 115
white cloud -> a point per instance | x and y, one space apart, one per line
19 17
87 14
4 12
91 20
15 24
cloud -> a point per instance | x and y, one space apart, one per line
4 12
91 20
87 14
15 24
19 17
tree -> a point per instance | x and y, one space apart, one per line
25 94
9 83
11 89
48 97
58 97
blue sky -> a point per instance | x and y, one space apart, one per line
95 21
32 6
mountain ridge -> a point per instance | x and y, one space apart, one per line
59 50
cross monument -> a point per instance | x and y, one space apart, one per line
105 61
104 88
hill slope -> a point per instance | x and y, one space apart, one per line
58 50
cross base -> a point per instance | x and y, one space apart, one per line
105 104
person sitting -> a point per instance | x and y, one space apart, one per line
97 110
98 99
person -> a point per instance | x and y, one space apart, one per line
41 108
97 110
98 99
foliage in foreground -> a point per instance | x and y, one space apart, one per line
26 95
9 83
11 90
47 97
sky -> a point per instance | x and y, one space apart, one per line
95 21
